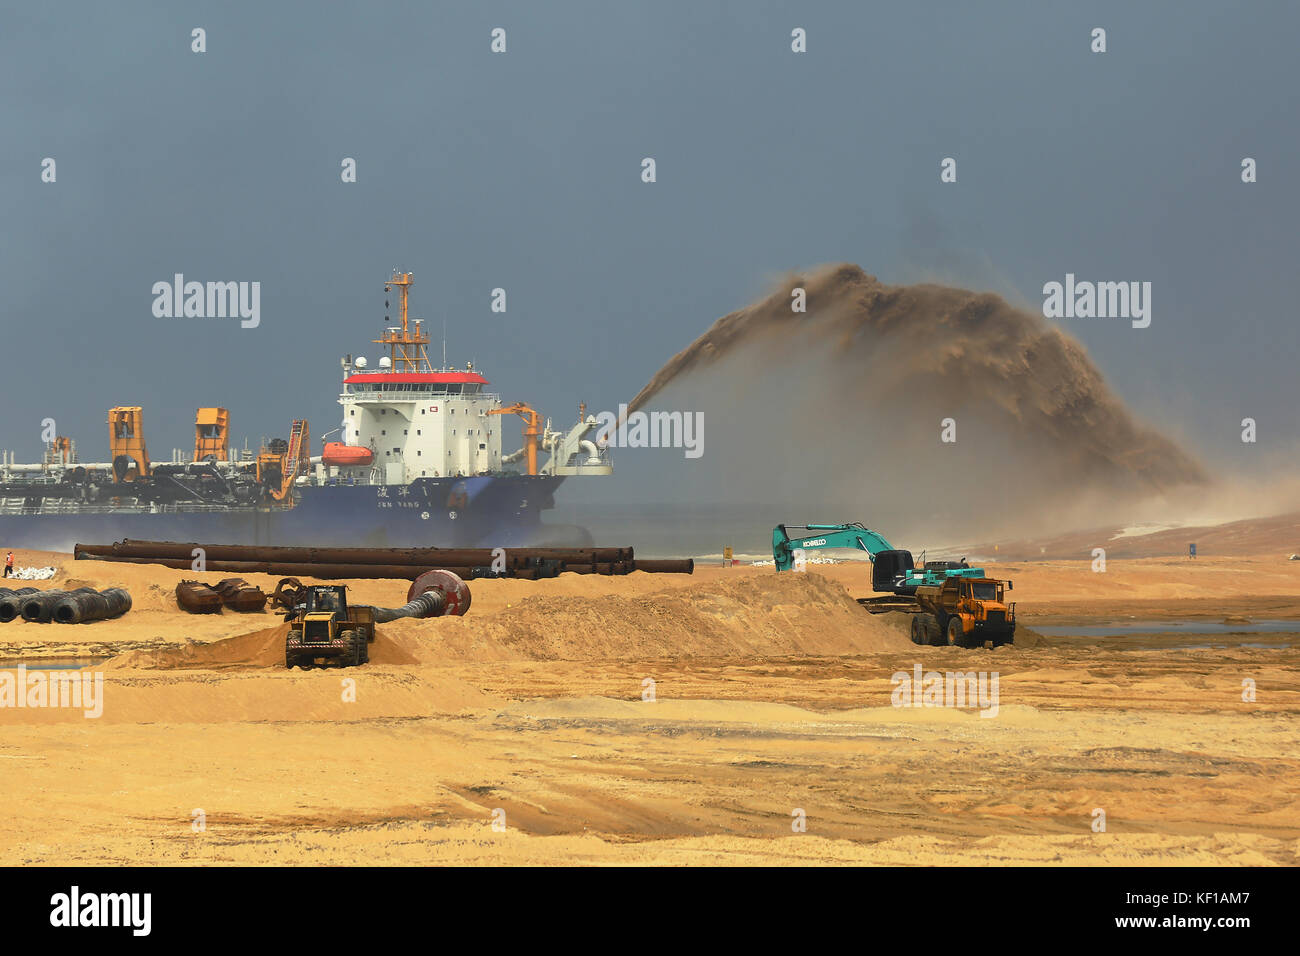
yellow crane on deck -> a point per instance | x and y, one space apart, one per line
532 430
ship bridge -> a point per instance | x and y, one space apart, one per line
414 420
421 424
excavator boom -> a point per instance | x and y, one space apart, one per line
893 568
855 535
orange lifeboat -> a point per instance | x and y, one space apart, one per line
346 456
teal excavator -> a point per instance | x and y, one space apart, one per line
893 569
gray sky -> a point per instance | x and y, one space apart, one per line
522 171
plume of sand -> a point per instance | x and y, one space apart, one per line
848 401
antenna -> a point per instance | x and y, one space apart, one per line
444 345
407 347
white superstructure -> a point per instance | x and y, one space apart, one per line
421 424
408 420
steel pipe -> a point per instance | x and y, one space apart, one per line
428 604
430 557
11 604
82 608
38 608
665 566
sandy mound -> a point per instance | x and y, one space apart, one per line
264 648
758 615
767 615
260 648
1027 637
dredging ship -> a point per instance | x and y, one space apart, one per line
418 462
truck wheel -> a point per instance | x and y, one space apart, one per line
929 629
291 641
921 629
955 636
356 647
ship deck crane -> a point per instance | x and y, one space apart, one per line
279 467
126 443
532 430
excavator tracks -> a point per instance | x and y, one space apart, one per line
890 602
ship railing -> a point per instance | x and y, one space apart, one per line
72 506
342 481
399 395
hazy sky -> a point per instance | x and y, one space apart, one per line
523 170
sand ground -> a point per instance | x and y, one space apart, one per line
772 705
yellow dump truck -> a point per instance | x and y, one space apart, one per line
964 612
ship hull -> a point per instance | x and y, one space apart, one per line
481 511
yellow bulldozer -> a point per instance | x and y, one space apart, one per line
326 628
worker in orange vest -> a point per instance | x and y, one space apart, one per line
9 564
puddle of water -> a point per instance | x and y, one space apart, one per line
1221 645
1169 627
53 663
1173 642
